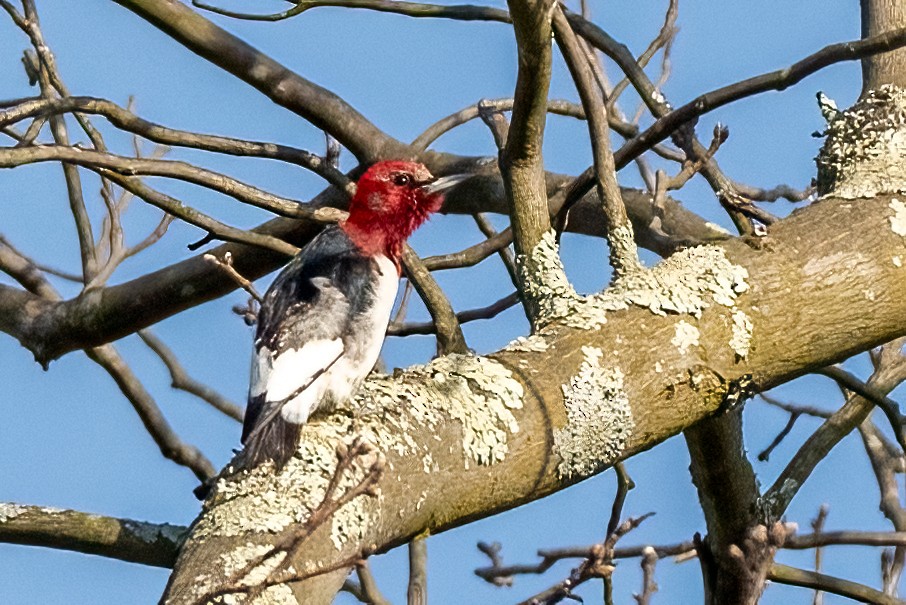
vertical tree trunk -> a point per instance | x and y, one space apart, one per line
879 16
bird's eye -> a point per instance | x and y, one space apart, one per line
402 179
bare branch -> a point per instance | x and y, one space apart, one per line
785 574
417 593
856 409
624 485
324 109
776 80
126 166
371 594
226 264
465 115
50 83
889 407
624 256
215 228
492 310
124 539
504 252
450 338
128 121
286 546
471 255
663 39
464 12
649 586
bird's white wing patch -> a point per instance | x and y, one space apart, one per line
296 368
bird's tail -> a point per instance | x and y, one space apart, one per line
275 440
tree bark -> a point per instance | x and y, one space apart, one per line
879 16
467 437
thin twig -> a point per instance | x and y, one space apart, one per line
472 255
765 454
371 594
126 166
226 264
489 312
775 80
215 228
818 527
624 485
504 252
126 120
663 39
287 545
171 446
410 9
649 586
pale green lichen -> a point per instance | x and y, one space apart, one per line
535 343
898 220
685 336
864 153
233 563
9 511
624 256
544 281
687 282
599 419
741 340
478 392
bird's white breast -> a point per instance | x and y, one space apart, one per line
340 381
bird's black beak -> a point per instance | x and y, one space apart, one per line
444 183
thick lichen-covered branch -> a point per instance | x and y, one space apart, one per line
469 436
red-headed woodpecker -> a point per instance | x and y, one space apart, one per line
322 322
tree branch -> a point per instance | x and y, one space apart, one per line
180 379
134 541
324 109
450 338
475 405
775 80
785 574
624 257
128 121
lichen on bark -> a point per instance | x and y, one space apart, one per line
599 420
478 393
864 153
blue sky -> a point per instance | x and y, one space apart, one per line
70 440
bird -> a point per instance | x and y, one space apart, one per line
322 322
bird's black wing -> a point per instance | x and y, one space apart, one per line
300 335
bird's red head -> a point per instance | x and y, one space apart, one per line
391 200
